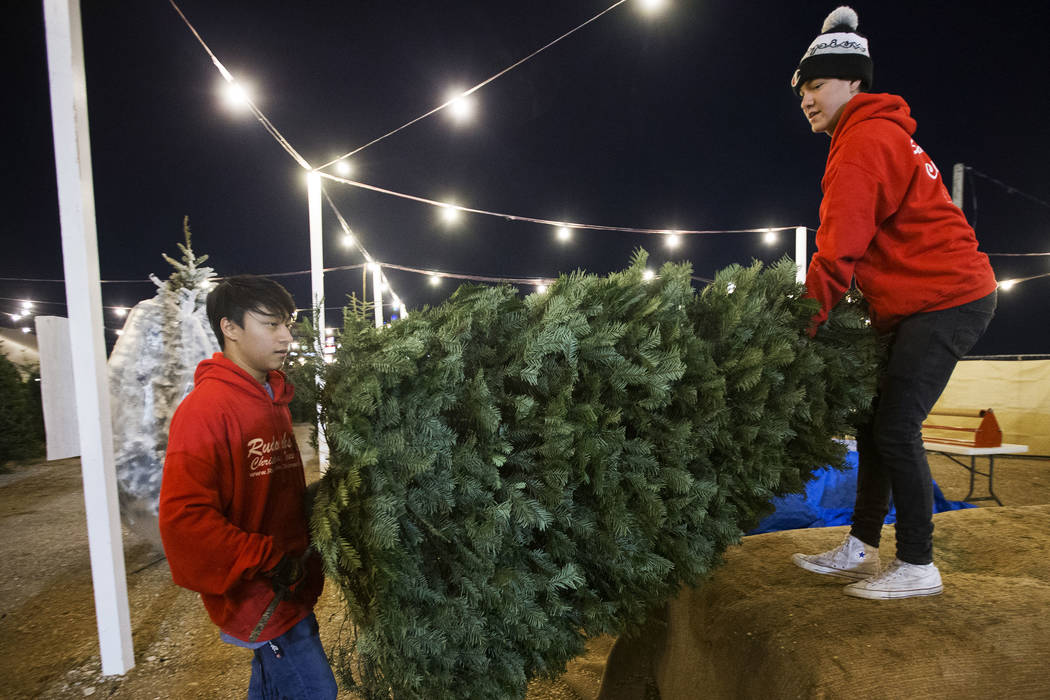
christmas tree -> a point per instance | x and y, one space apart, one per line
150 371
511 475
21 416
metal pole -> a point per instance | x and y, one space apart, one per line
76 209
958 174
313 189
377 292
800 254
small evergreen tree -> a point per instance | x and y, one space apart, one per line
512 475
21 417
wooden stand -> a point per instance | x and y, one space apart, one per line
947 426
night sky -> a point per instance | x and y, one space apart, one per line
684 120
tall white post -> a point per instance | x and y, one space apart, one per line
313 189
76 212
800 254
377 292
958 177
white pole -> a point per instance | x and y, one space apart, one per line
958 176
313 182
76 209
377 292
800 254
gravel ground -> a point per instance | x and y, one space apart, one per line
49 644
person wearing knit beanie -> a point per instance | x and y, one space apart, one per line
837 52
888 224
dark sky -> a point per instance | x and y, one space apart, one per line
681 121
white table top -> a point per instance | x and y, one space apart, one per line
1004 449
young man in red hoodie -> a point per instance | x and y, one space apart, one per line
886 221
232 517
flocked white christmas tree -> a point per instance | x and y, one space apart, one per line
150 371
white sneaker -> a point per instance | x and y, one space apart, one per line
899 580
851 559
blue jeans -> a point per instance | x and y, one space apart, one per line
293 666
923 353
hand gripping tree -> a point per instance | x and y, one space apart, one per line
511 475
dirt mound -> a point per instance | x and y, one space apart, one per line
762 627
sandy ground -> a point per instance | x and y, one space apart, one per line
49 643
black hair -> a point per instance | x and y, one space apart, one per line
236 295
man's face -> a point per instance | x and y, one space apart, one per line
823 100
260 345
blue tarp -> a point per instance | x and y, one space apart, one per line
828 501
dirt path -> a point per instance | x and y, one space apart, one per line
49 640
49 645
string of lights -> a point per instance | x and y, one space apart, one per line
242 94
63 281
458 99
1007 285
435 277
447 206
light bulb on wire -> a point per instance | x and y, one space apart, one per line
770 237
450 213
1007 285
564 233
236 95
672 240
648 275
435 280
461 107
348 240
541 289
652 7
343 168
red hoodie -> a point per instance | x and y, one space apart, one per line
887 220
231 499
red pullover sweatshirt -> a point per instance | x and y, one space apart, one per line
231 499
887 220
